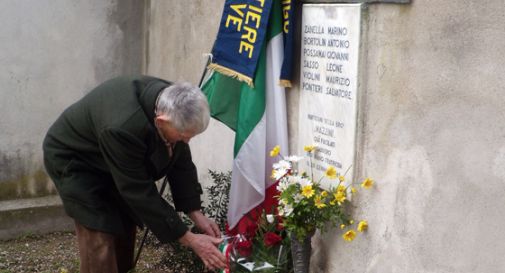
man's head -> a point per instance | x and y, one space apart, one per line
182 112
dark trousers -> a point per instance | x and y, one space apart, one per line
102 252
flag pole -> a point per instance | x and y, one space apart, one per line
165 180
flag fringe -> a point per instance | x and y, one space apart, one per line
285 83
231 73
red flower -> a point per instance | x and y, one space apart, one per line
271 238
244 248
279 227
251 230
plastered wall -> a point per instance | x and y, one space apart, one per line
432 135
431 131
52 53
431 115
181 33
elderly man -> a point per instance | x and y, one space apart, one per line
104 154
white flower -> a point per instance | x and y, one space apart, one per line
281 168
283 202
283 185
270 218
293 158
288 209
278 174
293 180
305 182
282 164
297 198
281 211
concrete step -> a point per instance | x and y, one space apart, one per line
32 216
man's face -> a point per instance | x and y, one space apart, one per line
170 134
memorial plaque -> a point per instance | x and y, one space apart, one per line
328 85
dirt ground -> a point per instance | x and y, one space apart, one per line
57 253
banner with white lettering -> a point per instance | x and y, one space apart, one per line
329 84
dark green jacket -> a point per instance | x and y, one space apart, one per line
104 154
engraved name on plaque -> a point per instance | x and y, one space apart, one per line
328 86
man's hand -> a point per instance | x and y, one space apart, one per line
206 225
206 248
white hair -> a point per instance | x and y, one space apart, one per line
185 106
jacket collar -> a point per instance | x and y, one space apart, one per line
148 95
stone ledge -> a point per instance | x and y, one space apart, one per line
32 216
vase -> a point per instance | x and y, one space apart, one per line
301 250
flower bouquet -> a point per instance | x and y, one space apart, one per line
264 249
302 207
305 206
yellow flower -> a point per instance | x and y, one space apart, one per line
333 202
341 178
324 193
309 148
351 222
319 203
342 226
341 188
367 183
307 191
331 172
362 226
275 151
349 236
340 197
353 190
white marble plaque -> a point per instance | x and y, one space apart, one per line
328 85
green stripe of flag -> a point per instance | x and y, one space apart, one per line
243 108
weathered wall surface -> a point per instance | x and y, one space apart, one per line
433 136
431 131
180 33
51 53
431 119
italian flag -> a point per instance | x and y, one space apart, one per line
258 117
